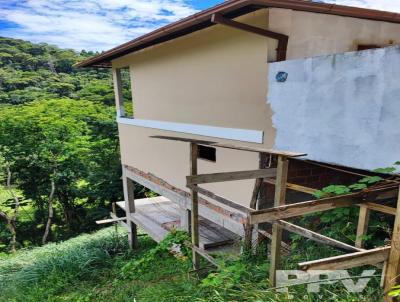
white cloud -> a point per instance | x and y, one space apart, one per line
103 24
88 24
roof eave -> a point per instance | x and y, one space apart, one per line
231 9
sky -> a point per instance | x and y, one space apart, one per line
102 24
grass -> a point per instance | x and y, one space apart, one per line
44 273
99 267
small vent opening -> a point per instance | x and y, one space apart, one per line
367 46
207 153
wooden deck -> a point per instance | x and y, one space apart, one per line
159 215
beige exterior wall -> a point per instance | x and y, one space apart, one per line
213 77
313 34
218 76
197 78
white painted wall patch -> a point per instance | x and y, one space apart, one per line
342 109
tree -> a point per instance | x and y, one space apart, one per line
98 91
62 89
26 67
7 213
65 152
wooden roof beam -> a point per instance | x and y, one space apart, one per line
230 146
281 38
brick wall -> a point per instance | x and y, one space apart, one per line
309 175
313 176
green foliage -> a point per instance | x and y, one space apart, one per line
370 180
395 292
335 190
363 183
231 274
73 142
76 258
342 222
57 123
332 190
97 91
100 267
386 170
31 274
30 72
175 239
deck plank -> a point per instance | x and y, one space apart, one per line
159 215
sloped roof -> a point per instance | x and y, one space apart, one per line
230 9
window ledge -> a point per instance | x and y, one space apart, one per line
243 135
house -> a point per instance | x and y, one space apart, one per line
216 76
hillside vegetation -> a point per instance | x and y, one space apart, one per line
30 72
59 149
99 267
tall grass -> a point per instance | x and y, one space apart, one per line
100 267
77 258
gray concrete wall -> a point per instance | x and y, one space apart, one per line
342 109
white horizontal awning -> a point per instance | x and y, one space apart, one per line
243 135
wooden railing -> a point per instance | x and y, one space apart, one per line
366 199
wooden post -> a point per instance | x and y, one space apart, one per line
280 196
248 238
264 162
114 210
194 217
130 208
185 220
393 264
363 219
251 231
